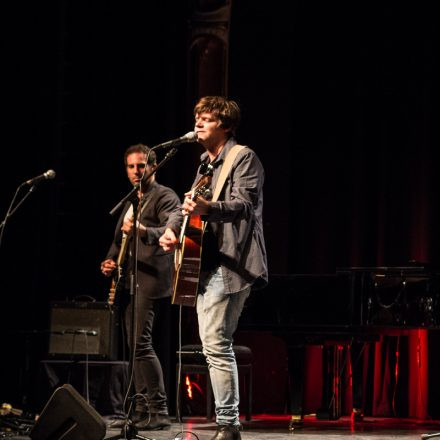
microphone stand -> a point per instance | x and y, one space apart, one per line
11 211
129 430
427 436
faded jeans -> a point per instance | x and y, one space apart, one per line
218 314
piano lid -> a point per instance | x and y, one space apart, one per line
413 267
354 297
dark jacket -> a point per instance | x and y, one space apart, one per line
236 220
155 266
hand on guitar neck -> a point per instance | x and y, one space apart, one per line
195 204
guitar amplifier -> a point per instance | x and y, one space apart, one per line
80 328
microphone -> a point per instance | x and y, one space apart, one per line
49 174
80 331
188 137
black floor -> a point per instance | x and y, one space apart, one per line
268 427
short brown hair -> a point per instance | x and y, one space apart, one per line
227 111
140 148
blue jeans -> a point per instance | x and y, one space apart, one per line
218 314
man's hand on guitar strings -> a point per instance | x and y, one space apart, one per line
107 267
168 240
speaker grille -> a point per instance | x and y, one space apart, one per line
68 416
80 328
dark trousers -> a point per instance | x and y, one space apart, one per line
148 375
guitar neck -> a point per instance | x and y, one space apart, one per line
122 250
183 229
119 262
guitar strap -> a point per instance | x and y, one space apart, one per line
226 167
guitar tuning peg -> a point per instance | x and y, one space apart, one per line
207 194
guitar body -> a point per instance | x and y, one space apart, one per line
187 259
114 291
188 254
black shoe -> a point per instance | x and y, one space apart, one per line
227 432
116 423
139 416
156 422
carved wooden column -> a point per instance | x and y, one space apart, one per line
208 48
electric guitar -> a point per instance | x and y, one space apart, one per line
117 276
187 256
119 271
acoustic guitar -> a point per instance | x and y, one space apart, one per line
188 253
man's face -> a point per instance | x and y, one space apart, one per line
136 167
208 129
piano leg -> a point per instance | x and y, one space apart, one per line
334 361
295 354
331 390
357 349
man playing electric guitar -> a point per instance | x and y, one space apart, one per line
233 258
155 269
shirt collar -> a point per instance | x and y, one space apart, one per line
221 156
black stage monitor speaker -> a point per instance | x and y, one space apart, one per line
68 416
78 328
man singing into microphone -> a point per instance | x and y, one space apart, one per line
233 256
154 278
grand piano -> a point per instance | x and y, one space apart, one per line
350 307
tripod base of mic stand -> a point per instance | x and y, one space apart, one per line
129 431
427 436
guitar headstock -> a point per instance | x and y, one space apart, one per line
203 187
206 169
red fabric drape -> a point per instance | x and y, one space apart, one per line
389 388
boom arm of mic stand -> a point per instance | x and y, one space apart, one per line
135 189
123 200
12 209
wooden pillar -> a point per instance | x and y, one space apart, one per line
208 49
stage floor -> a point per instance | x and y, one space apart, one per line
270 427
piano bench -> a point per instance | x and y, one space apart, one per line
193 361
